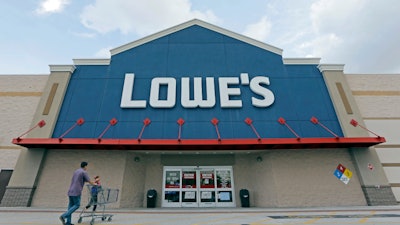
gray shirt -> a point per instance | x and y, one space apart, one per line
78 180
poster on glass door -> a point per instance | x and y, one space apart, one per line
188 179
172 179
224 179
207 179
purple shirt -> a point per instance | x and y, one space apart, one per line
78 180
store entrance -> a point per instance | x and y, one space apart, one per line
207 186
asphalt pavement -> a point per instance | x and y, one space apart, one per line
366 215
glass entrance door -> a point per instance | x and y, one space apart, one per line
189 187
207 187
198 187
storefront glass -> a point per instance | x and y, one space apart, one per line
198 187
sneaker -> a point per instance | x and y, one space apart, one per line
62 220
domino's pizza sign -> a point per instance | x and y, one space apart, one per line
343 174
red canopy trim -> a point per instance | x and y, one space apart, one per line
198 144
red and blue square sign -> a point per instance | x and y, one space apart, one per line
343 174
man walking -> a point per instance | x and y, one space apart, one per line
79 178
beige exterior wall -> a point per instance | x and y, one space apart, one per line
378 98
284 178
117 169
297 178
19 97
59 165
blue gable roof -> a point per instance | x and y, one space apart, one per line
94 92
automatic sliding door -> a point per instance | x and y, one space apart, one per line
209 186
189 188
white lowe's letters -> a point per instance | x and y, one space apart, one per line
126 100
229 87
155 102
225 92
255 86
198 100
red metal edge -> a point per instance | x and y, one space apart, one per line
199 144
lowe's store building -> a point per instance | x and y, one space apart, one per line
202 115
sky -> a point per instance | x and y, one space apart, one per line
364 35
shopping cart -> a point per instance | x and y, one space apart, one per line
99 197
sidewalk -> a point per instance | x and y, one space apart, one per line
385 215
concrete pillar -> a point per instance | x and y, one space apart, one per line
22 185
374 183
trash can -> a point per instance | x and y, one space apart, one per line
245 197
151 198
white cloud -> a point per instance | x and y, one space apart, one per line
103 53
259 30
51 6
290 26
328 15
84 34
325 43
362 34
140 17
359 33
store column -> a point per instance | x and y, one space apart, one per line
22 185
374 183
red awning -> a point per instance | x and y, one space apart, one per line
198 144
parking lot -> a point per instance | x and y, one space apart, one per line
211 216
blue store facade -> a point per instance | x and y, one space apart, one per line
198 113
